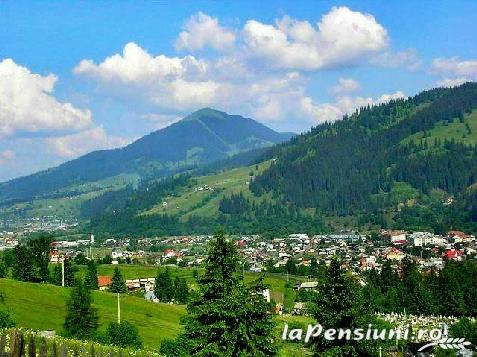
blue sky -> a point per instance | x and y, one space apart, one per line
80 76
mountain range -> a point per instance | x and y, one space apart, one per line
203 137
407 164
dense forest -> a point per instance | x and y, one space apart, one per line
371 166
353 165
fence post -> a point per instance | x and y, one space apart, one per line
54 350
3 342
18 344
43 348
64 351
31 347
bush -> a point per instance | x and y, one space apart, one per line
5 320
124 334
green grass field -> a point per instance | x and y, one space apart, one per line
205 203
276 282
72 198
42 307
455 130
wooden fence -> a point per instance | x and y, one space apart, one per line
17 343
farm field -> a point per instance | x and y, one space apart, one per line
280 290
205 203
42 307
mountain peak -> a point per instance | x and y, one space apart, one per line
206 113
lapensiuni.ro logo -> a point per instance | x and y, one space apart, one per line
433 337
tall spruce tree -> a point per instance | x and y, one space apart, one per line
339 304
181 290
81 319
23 268
91 277
164 288
118 285
227 318
69 273
40 250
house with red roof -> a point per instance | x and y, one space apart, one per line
454 254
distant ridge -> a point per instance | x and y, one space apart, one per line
202 137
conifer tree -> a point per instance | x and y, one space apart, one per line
91 278
340 305
81 318
40 250
69 273
118 285
164 289
181 291
23 268
226 317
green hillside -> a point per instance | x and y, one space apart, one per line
198 200
42 307
280 291
407 164
202 138
463 131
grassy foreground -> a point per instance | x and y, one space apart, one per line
280 291
42 307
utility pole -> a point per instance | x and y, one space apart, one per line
119 311
63 271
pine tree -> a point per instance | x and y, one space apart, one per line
40 250
23 268
81 319
181 291
69 273
118 285
164 288
91 278
226 317
340 305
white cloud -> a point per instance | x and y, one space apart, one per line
169 82
343 104
342 38
6 156
451 82
345 86
74 145
27 104
454 71
408 59
201 31
455 67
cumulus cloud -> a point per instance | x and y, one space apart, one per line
343 104
171 82
201 31
454 71
342 38
27 104
345 86
6 156
452 82
408 59
74 145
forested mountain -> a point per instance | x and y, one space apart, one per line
410 163
201 138
391 156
